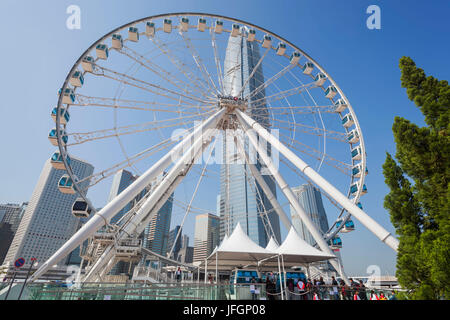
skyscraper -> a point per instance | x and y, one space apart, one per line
310 199
206 235
155 236
10 217
172 235
157 231
12 214
243 200
48 221
122 179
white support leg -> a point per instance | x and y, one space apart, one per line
291 197
105 214
384 235
155 201
259 178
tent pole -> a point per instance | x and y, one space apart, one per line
281 283
284 272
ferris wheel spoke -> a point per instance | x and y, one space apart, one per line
306 179
302 109
183 68
283 94
83 137
313 131
217 60
113 75
271 80
163 74
319 156
255 69
199 62
188 209
99 176
340 136
87 101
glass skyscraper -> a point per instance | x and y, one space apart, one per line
48 221
155 235
310 198
206 235
246 199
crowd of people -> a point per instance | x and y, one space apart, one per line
317 289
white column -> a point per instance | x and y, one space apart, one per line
105 214
291 197
348 205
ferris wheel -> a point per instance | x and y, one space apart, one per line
180 97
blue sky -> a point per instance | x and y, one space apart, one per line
38 51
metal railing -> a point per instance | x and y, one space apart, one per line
193 291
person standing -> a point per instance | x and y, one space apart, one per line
301 286
334 288
309 287
178 274
362 290
373 295
393 296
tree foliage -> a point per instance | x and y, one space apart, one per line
418 201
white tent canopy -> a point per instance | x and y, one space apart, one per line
272 245
295 249
238 251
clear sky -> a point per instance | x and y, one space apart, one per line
38 51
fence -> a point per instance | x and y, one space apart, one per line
193 291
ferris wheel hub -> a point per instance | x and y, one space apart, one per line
232 103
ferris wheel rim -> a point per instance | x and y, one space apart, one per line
63 148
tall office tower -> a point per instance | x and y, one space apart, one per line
206 235
243 200
122 179
157 231
310 199
186 255
184 241
48 221
6 237
10 217
172 235
12 214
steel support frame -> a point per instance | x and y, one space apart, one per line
290 196
384 235
152 204
102 217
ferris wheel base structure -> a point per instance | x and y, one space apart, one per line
201 134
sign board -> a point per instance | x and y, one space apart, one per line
19 262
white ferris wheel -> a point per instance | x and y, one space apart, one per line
158 96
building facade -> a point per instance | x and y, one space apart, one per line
47 222
310 198
10 217
206 235
241 199
172 236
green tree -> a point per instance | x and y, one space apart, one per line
418 201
